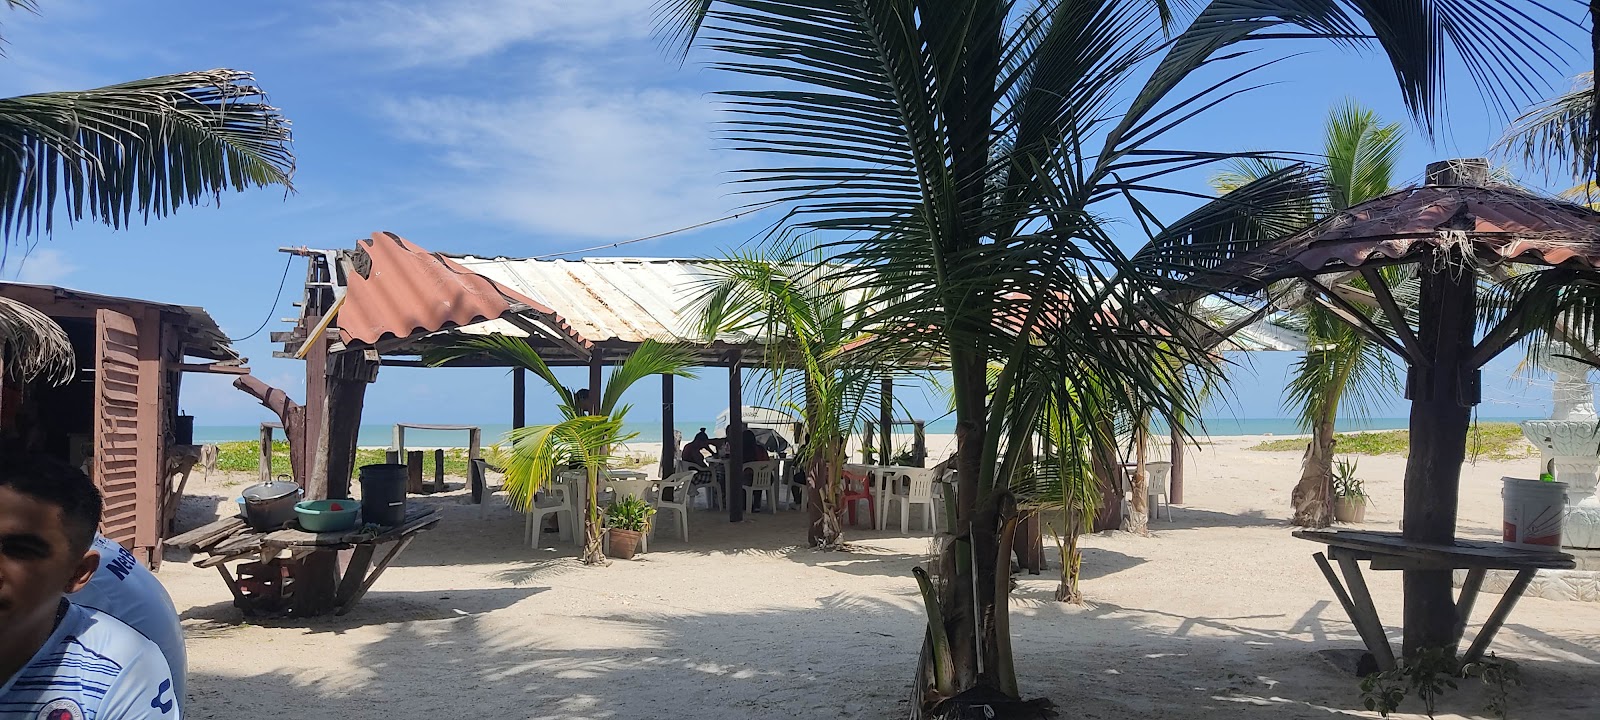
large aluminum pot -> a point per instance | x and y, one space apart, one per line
270 505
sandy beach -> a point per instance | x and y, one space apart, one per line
1218 614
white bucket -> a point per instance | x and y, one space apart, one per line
1534 512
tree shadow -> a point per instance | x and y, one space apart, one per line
1191 518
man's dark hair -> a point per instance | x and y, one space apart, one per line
52 481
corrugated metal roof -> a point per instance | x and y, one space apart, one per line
608 300
202 337
395 289
1501 223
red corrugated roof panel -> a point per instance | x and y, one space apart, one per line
400 290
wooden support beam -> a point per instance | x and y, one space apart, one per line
885 421
668 423
1396 316
214 368
290 413
519 398
1497 617
1358 320
1465 600
735 492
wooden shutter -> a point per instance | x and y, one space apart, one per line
119 428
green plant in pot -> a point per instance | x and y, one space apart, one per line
1350 497
627 520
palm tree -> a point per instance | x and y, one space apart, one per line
149 146
807 311
587 433
1341 368
969 157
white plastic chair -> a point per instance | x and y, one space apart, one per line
702 478
792 484
918 490
557 501
763 478
1158 479
680 483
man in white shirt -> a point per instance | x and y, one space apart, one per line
122 588
60 661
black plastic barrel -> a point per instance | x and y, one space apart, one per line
383 494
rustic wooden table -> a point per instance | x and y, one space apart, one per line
1391 551
229 539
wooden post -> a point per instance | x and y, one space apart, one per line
348 376
414 473
868 444
1442 397
919 444
667 421
597 366
315 470
266 452
1175 491
735 492
886 422
438 470
519 398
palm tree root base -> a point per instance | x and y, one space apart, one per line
982 703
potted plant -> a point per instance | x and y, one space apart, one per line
627 520
1350 497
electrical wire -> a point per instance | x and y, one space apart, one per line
695 226
275 298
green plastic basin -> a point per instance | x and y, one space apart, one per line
319 515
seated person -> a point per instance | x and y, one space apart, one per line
122 588
695 452
60 660
751 451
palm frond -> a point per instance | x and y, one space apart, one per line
33 346
1362 153
650 358
145 147
1557 131
512 351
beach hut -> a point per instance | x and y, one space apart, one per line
1459 231
118 416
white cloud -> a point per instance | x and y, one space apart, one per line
577 160
432 32
43 267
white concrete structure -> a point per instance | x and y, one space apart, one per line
1570 442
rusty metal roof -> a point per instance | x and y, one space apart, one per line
395 290
202 337
611 300
1502 224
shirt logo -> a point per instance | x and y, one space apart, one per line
63 709
164 707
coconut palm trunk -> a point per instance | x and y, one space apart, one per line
971 158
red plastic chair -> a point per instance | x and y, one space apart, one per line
856 489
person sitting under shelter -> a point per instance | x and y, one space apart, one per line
60 660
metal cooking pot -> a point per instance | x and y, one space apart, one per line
270 505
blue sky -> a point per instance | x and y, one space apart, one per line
521 128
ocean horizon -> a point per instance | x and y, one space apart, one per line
381 435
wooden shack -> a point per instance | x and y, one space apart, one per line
119 416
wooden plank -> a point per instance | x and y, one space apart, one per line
355 573
214 369
1362 597
1377 646
1491 626
414 473
1357 320
377 572
216 560
198 538
1461 554
1465 600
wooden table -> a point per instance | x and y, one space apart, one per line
1390 551
229 540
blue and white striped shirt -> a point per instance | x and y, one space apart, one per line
122 587
93 667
